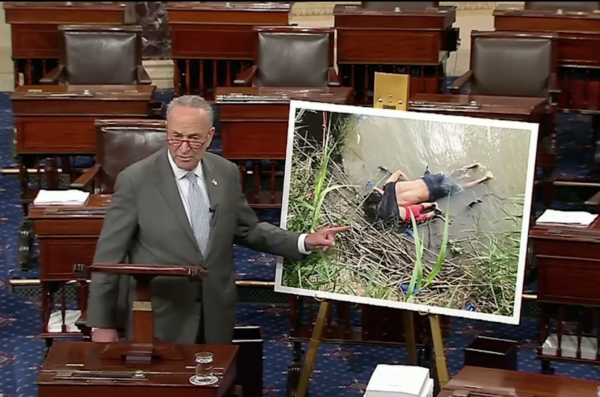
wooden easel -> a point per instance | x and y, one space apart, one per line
391 92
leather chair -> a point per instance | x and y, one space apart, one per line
99 55
511 64
563 5
291 56
518 64
383 5
119 144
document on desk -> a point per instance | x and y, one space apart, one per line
575 218
61 197
399 381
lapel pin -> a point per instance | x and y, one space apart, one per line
214 182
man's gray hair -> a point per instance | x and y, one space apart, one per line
193 102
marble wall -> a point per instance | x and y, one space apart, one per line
154 19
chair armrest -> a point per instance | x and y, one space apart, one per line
246 78
142 76
54 76
553 89
156 109
594 202
333 79
460 82
85 179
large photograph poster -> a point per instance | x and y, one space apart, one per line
438 208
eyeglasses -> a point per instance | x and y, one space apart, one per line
194 143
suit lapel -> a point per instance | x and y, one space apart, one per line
167 186
214 190
211 182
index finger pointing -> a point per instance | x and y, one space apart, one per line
338 229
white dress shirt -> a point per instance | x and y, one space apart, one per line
183 184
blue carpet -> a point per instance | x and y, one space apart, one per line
340 370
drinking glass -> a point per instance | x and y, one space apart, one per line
204 366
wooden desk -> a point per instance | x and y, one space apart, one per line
480 106
59 376
211 42
496 382
53 121
578 55
254 126
34 30
568 261
67 236
60 119
416 42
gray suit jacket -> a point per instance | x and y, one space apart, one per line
147 224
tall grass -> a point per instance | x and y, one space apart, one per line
417 283
495 259
304 211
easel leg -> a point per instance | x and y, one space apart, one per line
409 336
438 349
313 348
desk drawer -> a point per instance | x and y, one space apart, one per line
74 227
245 112
560 247
568 280
35 41
254 140
55 135
59 255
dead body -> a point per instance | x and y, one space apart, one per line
399 195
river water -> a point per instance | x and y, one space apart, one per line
414 145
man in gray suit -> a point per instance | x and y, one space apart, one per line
184 206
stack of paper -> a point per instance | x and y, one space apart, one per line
576 218
400 381
61 197
569 345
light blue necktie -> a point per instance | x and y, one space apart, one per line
199 213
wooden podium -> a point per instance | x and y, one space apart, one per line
140 365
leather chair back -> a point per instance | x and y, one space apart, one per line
121 143
100 54
293 56
512 64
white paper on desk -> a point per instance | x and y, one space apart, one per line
61 197
398 381
581 218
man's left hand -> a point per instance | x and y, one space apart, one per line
323 238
